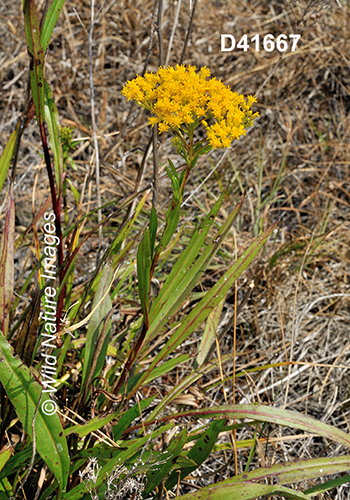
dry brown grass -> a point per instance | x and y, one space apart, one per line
303 131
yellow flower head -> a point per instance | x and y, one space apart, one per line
181 98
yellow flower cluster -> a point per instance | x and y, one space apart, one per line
180 98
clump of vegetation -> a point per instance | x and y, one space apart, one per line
114 380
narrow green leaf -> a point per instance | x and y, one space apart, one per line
6 157
175 182
36 55
327 485
143 273
95 345
303 470
24 393
199 452
153 229
269 414
292 472
172 220
50 22
7 263
51 115
244 491
209 334
168 366
5 454
155 477
74 190
93 425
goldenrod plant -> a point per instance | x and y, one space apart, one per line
81 379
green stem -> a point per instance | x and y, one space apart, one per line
189 162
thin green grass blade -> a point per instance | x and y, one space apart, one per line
93 425
50 22
168 366
24 393
7 263
172 220
186 259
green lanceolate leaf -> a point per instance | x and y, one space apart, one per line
173 213
199 452
291 472
24 393
172 220
153 229
327 485
5 454
7 263
143 273
36 55
50 22
279 416
175 183
6 157
209 333
51 115
169 456
244 491
212 298
93 425
98 332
